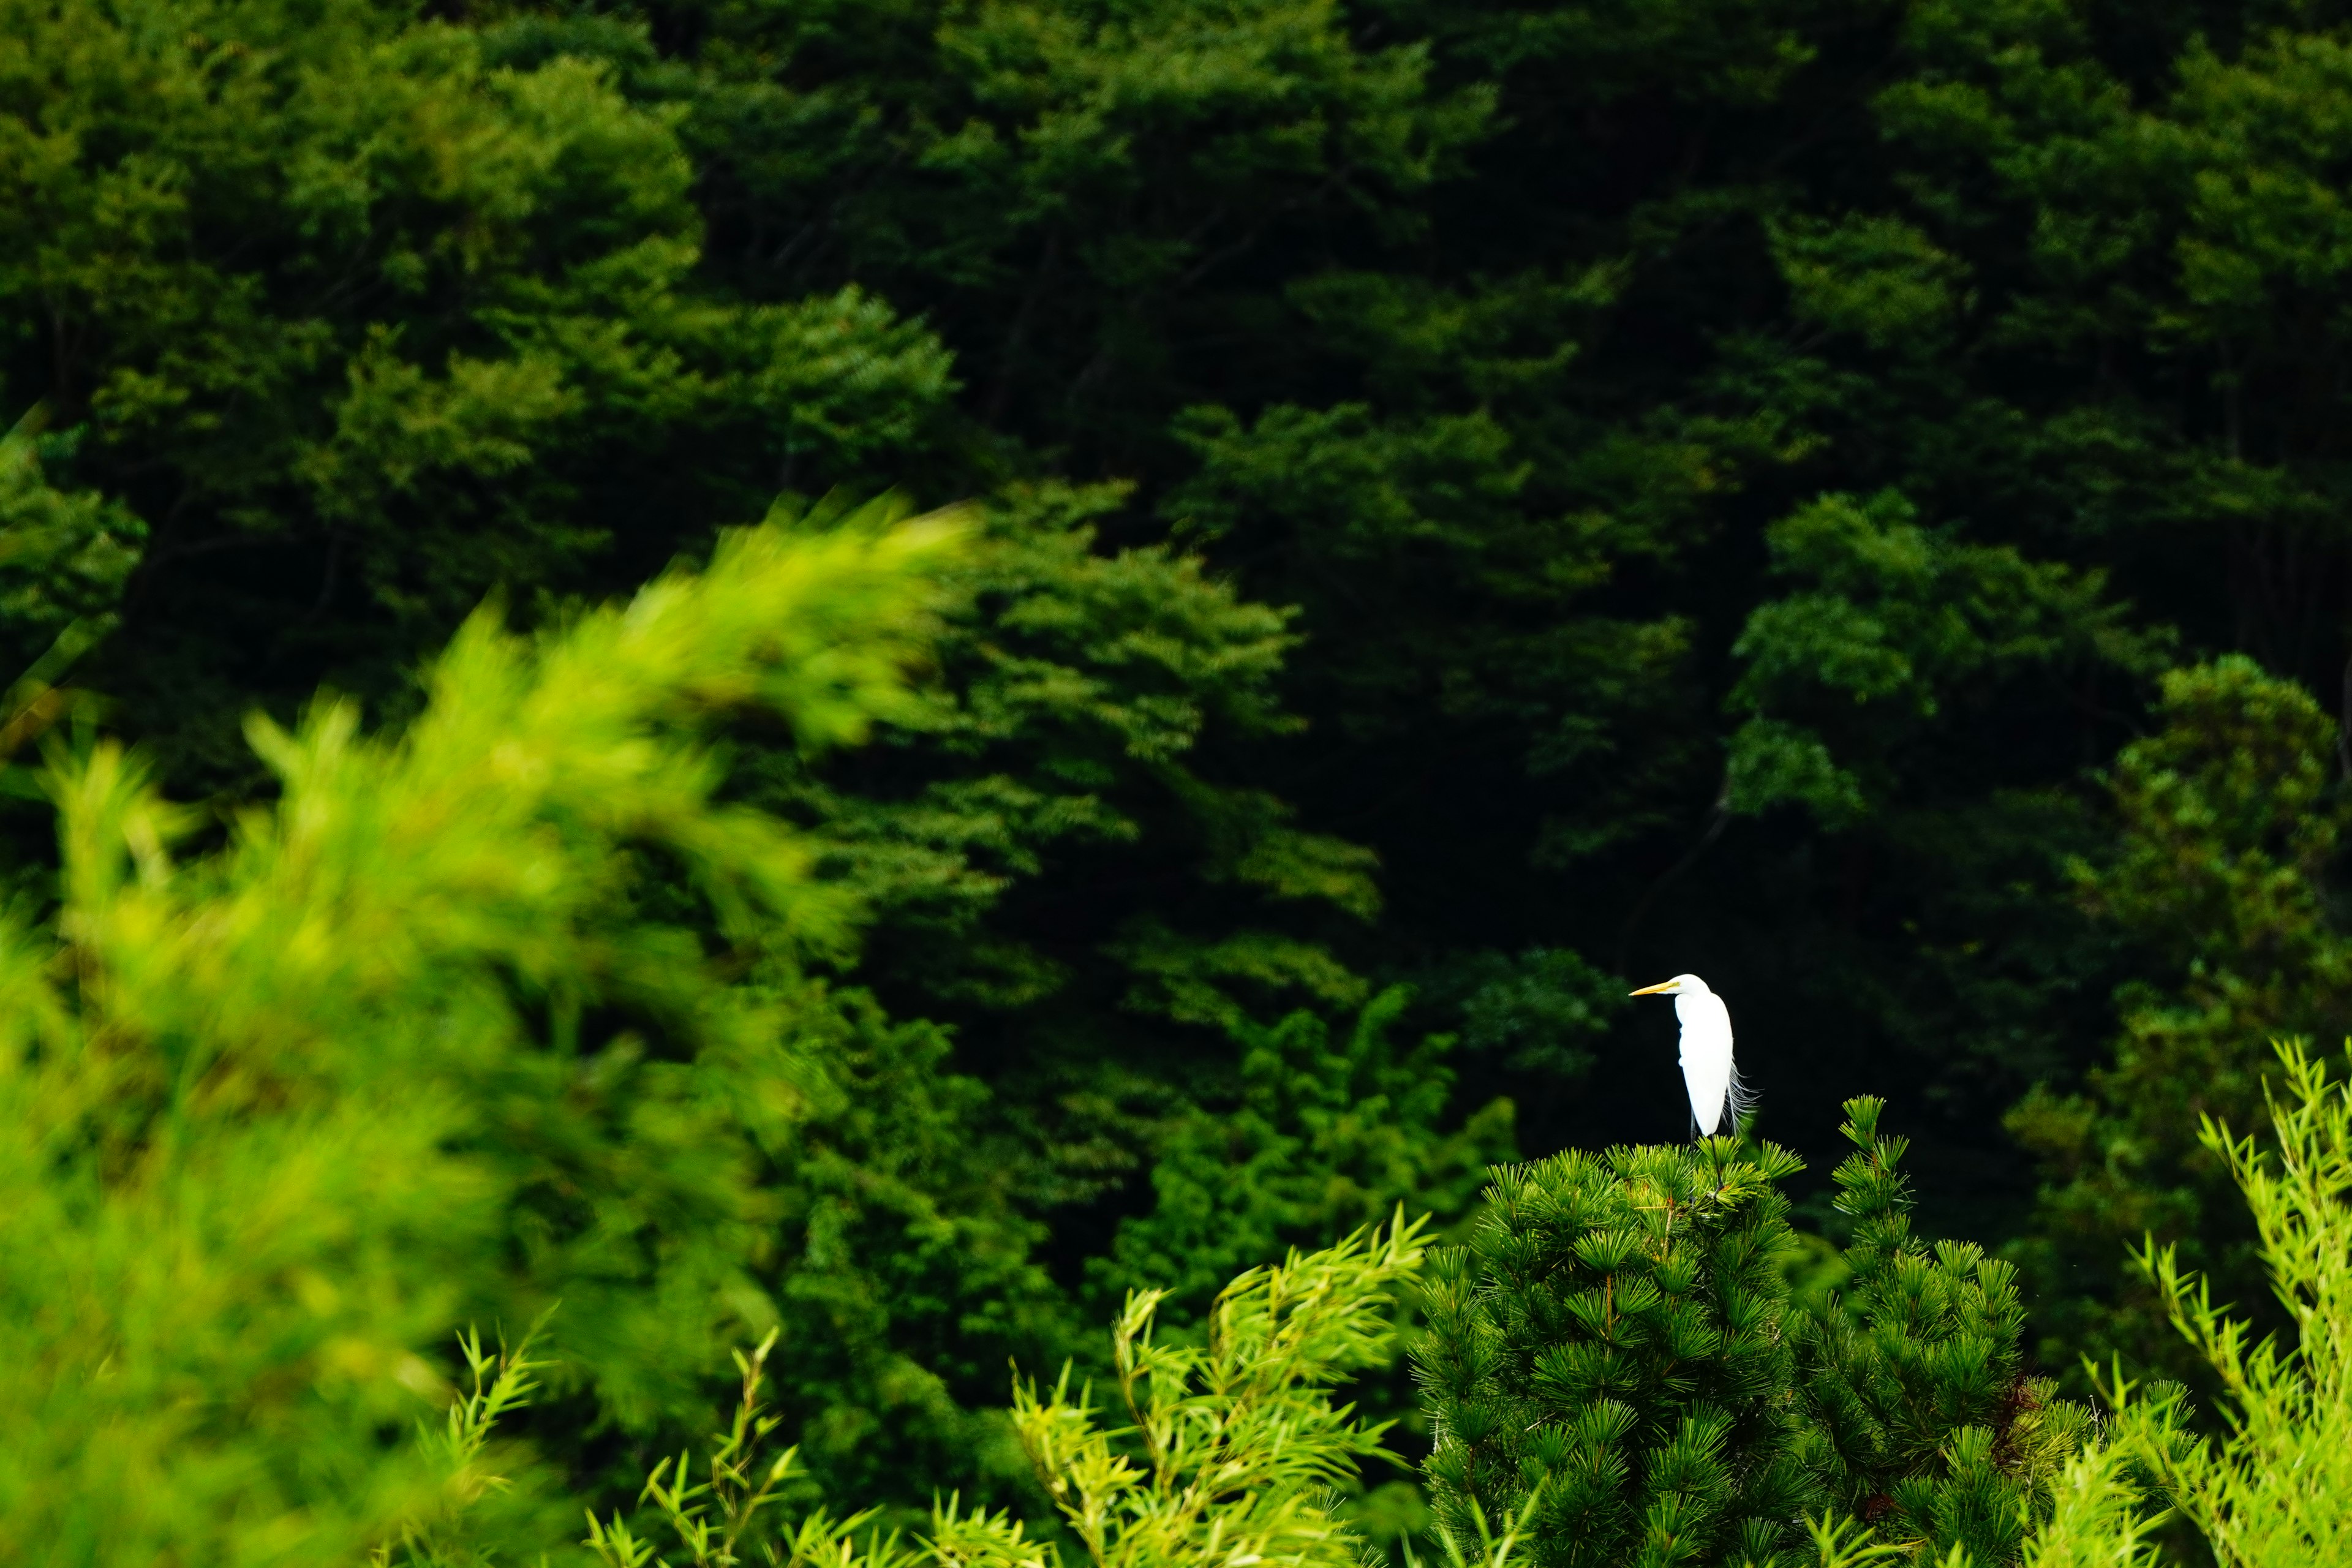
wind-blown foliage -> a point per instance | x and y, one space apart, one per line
406 1051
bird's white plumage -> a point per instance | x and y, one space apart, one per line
1717 1096
1706 1056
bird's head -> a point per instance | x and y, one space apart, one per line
1680 985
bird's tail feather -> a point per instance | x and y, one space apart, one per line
1739 1100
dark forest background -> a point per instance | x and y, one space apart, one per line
1486 505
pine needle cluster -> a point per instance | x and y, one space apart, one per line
1614 1358
1918 1417
1606 1356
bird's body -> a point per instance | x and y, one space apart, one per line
1717 1098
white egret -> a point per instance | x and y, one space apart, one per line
1717 1095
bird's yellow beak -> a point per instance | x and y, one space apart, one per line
1662 988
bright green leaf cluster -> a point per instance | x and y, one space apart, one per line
1328 1134
406 1051
1890 614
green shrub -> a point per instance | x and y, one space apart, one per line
1614 1352
2274 1489
1606 1353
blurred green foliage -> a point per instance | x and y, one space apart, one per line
405 1050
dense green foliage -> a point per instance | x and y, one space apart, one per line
511 1010
1919 1416
1469 505
1616 1359
2230 815
1608 1357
